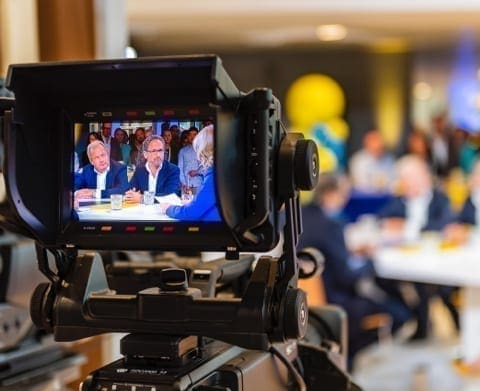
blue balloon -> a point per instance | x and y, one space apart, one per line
320 133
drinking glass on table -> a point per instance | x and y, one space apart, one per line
116 201
148 197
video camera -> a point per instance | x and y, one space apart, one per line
179 338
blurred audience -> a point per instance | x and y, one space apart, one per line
441 143
148 131
92 136
419 207
136 153
419 145
469 152
122 139
469 216
171 149
349 278
470 213
371 167
110 142
191 176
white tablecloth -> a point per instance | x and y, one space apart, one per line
431 263
130 212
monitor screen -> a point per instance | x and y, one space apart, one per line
144 170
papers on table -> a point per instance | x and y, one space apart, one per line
170 199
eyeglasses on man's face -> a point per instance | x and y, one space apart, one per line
155 150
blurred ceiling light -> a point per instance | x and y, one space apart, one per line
331 32
422 91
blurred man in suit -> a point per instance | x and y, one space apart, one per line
102 177
349 278
469 216
371 166
157 175
110 142
420 207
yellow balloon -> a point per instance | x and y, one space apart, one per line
338 128
306 197
313 98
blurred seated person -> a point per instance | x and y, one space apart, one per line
136 156
156 175
371 167
203 206
92 136
441 145
148 131
122 139
419 207
469 216
349 278
110 142
102 177
469 152
191 171
171 149
419 145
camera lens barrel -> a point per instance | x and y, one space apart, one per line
306 164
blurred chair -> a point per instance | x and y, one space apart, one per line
330 321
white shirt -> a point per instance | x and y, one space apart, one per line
152 180
416 216
371 174
101 182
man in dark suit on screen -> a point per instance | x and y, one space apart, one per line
102 177
111 143
157 175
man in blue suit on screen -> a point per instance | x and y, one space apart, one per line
157 175
102 177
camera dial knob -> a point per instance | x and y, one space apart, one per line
296 314
173 280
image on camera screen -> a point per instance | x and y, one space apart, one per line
151 170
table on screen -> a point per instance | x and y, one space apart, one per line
100 210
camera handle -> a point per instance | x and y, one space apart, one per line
82 305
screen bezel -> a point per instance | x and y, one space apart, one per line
212 236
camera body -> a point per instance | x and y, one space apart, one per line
258 168
53 101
